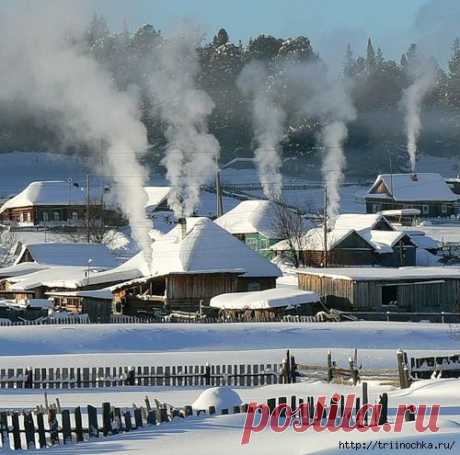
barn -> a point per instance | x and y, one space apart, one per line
190 265
427 192
404 289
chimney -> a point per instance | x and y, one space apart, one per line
414 177
183 227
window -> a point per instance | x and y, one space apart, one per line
29 217
45 216
74 216
21 217
425 209
376 208
389 295
251 243
253 286
443 209
56 216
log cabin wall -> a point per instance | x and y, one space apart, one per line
383 295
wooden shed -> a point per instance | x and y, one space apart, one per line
405 289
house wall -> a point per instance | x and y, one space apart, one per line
246 284
259 243
411 295
435 209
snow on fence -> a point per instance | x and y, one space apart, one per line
42 428
53 427
445 366
174 376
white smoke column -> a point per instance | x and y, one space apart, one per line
329 101
333 137
268 120
412 101
192 153
43 70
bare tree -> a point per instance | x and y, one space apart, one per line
290 224
8 244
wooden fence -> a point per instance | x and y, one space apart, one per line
43 428
175 376
444 366
54 426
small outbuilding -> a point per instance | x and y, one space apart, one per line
268 305
405 289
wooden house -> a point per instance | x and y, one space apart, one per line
427 192
405 289
254 223
190 265
357 239
50 203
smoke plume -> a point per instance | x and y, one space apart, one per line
45 72
192 153
330 102
412 103
268 120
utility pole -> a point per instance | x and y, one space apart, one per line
87 210
220 204
325 227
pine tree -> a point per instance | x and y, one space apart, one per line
370 56
220 38
454 75
379 59
349 63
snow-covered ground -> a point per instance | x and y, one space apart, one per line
222 434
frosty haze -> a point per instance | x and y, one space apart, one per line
43 70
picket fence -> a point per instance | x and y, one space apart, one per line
175 376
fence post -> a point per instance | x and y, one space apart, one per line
329 367
128 425
93 429
41 430
384 413
365 400
106 419
78 424
16 431
29 429
4 429
442 317
402 371
388 316
66 427
138 417
53 426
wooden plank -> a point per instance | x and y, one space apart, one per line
93 428
128 424
41 430
50 378
85 378
78 424
106 419
4 439
29 430
138 418
16 431
66 427
53 426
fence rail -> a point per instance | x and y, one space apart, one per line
175 376
441 317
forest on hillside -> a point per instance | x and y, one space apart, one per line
376 137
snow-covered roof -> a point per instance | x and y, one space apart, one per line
156 195
360 221
23 268
261 300
53 277
208 247
401 212
250 217
314 238
382 241
69 254
385 273
407 188
46 193
104 294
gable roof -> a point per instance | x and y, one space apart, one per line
69 254
361 221
406 188
155 196
46 193
314 238
382 241
23 268
208 247
250 217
